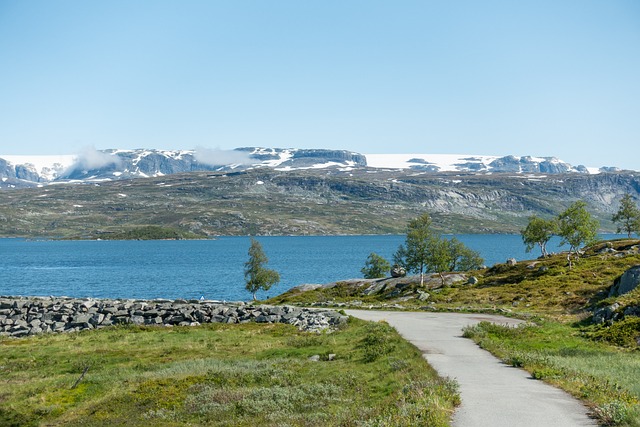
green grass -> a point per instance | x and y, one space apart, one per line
605 377
221 375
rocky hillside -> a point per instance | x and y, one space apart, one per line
268 201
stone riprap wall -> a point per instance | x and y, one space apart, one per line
22 316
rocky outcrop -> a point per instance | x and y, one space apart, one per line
22 316
629 280
528 164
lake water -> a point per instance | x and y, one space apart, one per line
209 268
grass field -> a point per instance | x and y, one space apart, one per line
221 375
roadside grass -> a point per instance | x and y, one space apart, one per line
606 378
221 375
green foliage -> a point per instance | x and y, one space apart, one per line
462 258
624 333
375 267
151 232
627 216
426 251
414 254
538 232
378 341
256 275
577 227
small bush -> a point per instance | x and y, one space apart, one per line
614 413
378 341
624 333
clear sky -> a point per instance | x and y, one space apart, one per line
528 77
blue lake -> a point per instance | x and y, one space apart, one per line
212 268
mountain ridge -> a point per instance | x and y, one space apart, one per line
114 164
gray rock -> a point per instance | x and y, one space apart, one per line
472 280
512 262
423 296
632 311
398 271
629 280
606 314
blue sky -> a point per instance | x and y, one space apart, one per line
542 78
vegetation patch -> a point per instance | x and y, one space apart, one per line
151 232
220 375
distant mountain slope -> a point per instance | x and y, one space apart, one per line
267 201
109 165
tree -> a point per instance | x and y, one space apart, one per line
256 275
538 232
426 251
375 267
628 216
414 254
577 227
462 257
451 255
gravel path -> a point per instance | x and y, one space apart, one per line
493 394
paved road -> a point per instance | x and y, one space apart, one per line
493 394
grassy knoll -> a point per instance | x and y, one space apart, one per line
545 287
222 375
599 364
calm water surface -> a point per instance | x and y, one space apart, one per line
209 268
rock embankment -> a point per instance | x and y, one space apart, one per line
22 316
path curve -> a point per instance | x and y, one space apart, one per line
493 394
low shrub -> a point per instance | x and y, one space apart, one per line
378 341
623 333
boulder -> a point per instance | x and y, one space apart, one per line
423 296
605 314
629 280
512 262
472 280
398 271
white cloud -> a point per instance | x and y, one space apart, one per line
90 158
217 157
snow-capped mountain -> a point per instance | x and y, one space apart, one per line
474 163
102 165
